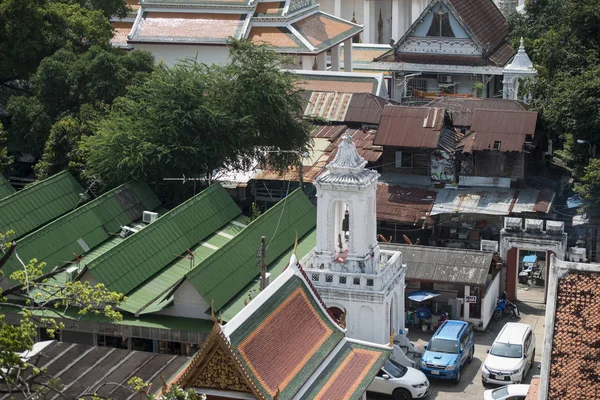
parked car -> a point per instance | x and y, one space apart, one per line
402 383
511 355
451 347
512 392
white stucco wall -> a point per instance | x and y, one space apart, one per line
187 303
172 53
488 305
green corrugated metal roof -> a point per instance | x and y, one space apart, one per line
235 305
39 203
149 296
5 188
85 228
231 268
144 254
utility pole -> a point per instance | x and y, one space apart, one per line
263 264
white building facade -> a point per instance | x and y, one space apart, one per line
347 266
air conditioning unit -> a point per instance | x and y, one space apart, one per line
149 217
512 224
446 78
534 225
127 231
555 227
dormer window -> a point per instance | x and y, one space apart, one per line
497 145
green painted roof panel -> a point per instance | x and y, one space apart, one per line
142 255
149 296
229 270
39 203
5 188
85 228
235 305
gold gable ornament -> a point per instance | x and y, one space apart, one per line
342 319
391 344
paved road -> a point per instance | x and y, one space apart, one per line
470 386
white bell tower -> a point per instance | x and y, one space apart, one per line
354 277
346 197
517 70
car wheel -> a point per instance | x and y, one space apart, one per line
471 354
401 394
457 379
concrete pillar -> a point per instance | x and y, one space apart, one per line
337 8
466 304
307 63
398 28
368 31
335 58
416 10
348 55
321 62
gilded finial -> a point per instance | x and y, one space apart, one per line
391 344
276 397
163 385
246 301
220 318
296 243
342 321
212 310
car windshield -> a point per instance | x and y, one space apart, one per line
394 369
506 350
443 346
500 393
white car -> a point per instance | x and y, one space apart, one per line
512 392
402 383
511 355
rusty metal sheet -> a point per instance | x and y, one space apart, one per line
414 127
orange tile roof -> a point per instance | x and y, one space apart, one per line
133 4
322 30
267 351
121 30
365 54
269 7
335 86
575 354
187 27
272 36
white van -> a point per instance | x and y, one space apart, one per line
511 355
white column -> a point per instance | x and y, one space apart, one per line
321 62
416 10
307 62
337 8
348 55
368 31
335 58
466 305
397 20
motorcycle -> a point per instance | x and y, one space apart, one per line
504 306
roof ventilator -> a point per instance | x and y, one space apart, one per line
149 217
513 224
127 231
534 225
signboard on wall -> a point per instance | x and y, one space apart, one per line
471 299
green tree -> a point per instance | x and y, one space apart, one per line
40 303
563 40
193 119
5 159
31 30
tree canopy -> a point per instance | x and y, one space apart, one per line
563 40
192 119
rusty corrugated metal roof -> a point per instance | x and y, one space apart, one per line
344 107
406 205
506 128
416 127
328 131
365 108
461 110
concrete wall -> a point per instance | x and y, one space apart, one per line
490 300
187 303
172 53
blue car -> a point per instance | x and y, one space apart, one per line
451 347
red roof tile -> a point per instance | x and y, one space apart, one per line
575 352
416 127
406 205
121 30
